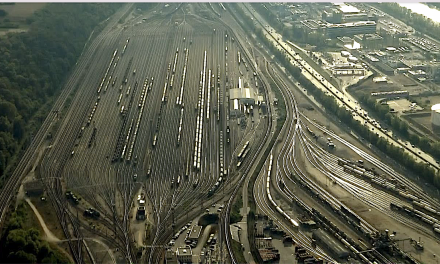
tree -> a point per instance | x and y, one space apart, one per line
3 13
21 257
35 63
8 110
18 128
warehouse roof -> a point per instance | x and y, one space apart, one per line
195 232
347 9
244 93
352 24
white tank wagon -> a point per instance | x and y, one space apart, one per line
435 115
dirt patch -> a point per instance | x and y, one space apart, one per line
369 86
50 218
404 80
15 20
18 12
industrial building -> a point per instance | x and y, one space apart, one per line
245 96
312 25
235 109
348 69
370 41
350 29
195 233
391 36
435 115
265 247
170 257
33 188
241 96
393 94
343 13
386 69
330 243
184 254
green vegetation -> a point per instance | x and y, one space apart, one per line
317 39
401 126
251 217
417 21
23 244
235 215
3 13
33 66
424 170
383 110
238 251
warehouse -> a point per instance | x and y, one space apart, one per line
349 29
334 246
384 68
195 233
246 96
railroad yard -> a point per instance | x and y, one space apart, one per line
174 118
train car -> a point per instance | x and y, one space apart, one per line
239 164
154 140
341 162
240 154
245 154
149 170
350 214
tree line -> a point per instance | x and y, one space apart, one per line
417 21
21 244
400 126
422 169
33 66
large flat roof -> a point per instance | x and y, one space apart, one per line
352 24
347 9
244 93
181 251
195 232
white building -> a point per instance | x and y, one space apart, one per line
435 115
184 254
241 96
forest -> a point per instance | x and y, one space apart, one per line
33 67
22 243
